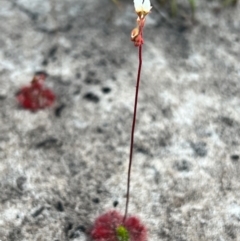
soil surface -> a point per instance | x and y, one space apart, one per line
62 167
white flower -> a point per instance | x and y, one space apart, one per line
142 7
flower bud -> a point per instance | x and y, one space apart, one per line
134 33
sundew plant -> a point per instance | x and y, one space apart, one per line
36 95
113 226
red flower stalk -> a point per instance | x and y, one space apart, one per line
36 96
142 8
111 227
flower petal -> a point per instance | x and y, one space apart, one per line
137 5
146 6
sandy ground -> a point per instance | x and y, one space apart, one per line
62 167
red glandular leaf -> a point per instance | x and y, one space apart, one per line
36 96
105 227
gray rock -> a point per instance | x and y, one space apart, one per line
60 168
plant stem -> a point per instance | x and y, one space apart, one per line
174 8
133 128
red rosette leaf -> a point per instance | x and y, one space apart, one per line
105 227
36 96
